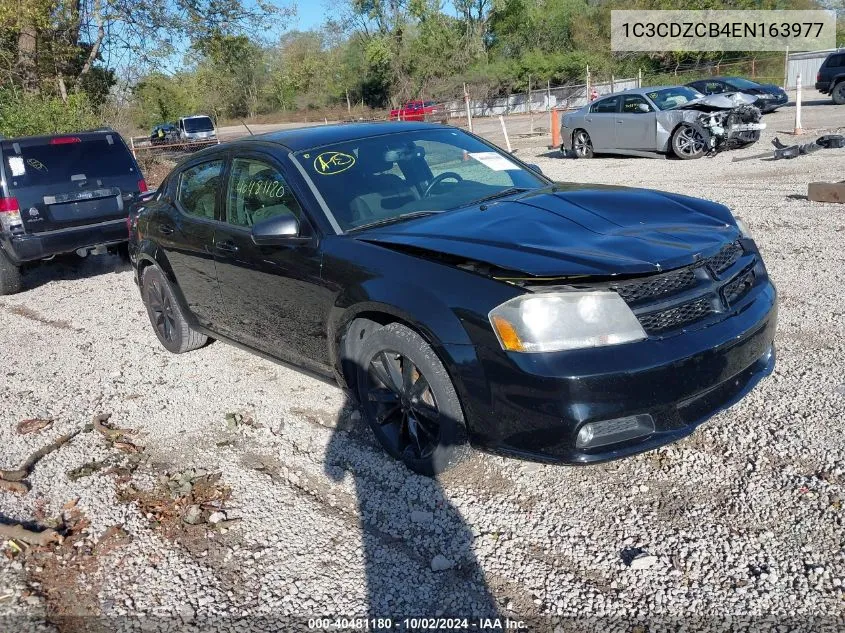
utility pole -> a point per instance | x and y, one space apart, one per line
786 68
466 104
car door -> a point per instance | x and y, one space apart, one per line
274 296
636 127
184 229
601 121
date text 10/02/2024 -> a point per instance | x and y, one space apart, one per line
417 624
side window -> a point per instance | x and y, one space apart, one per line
605 105
631 105
258 192
836 61
714 87
198 187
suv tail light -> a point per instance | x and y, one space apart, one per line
142 186
10 215
819 76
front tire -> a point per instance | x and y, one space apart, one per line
409 401
582 144
169 324
838 93
10 276
690 141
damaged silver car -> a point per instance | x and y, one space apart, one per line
661 120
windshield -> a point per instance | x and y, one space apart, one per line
378 179
669 98
199 124
739 82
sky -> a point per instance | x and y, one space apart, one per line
309 14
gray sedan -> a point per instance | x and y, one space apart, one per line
663 119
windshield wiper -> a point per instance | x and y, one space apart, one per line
499 194
394 219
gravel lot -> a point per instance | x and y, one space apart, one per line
742 520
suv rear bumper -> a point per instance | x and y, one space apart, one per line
34 246
823 86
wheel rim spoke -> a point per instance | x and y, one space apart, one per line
400 402
387 373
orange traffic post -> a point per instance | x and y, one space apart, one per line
554 124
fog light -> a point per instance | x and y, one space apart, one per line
594 434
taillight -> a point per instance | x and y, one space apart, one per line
819 76
64 140
142 186
10 215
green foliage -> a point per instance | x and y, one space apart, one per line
29 114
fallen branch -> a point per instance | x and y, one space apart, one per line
20 533
23 472
111 434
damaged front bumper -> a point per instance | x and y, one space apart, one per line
727 129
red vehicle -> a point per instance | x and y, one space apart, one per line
416 111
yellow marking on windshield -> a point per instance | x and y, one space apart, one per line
330 163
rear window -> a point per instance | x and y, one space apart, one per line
70 161
200 124
835 61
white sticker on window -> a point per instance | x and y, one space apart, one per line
17 166
494 161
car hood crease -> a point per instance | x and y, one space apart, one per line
576 231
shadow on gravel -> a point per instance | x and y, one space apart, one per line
71 267
417 548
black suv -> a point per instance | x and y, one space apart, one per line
830 79
62 194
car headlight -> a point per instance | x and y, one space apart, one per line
743 228
767 96
555 321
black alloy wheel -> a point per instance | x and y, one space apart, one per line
170 325
408 399
161 308
403 405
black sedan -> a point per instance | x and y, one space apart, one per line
769 96
460 296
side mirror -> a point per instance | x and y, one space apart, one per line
643 107
535 167
275 231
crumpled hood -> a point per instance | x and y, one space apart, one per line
725 101
573 230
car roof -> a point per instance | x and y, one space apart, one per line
298 139
636 91
39 140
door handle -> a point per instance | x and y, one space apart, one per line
227 246
588 118
619 122
166 229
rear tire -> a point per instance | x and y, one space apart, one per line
166 316
838 93
690 141
11 280
409 401
582 145
122 251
